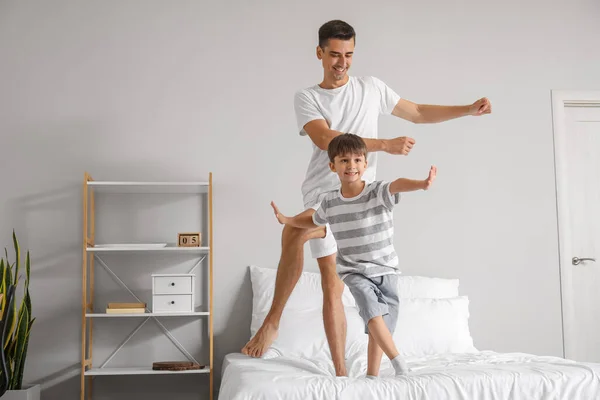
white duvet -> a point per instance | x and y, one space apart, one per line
474 376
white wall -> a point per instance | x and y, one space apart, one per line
151 90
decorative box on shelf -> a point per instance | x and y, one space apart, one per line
173 293
189 239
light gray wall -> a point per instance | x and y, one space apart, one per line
155 90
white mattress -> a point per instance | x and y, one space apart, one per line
475 376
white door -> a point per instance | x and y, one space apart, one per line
576 117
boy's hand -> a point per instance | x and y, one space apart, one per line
429 181
280 217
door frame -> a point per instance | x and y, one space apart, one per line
562 99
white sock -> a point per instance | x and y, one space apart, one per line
371 377
400 365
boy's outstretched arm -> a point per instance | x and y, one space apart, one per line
302 220
409 185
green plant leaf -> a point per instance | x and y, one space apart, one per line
9 367
20 342
19 321
24 354
17 258
11 320
9 279
2 287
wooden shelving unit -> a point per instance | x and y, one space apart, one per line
91 252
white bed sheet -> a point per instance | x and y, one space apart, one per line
475 376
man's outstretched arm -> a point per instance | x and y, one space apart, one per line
321 135
431 114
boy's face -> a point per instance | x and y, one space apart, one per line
349 167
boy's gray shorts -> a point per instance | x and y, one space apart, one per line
374 297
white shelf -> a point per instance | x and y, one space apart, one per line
147 247
141 371
149 187
148 314
150 247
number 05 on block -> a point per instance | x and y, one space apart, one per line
189 239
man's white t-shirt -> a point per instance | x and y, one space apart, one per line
352 108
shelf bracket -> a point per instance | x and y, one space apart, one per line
191 271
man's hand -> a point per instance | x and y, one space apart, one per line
280 217
429 181
480 107
400 145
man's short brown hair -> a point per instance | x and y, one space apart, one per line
335 29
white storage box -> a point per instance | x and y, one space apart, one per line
173 293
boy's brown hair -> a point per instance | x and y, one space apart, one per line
346 143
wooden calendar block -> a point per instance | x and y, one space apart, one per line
189 239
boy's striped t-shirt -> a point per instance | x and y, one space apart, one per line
363 228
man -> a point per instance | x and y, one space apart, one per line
339 104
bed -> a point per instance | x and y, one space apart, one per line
434 339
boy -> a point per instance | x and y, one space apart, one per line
361 221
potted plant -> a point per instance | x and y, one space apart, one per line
16 323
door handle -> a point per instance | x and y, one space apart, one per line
577 260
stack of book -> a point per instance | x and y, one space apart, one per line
126 308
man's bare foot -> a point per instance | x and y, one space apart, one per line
341 371
260 343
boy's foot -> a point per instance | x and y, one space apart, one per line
260 343
400 366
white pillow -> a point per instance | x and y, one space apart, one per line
433 326
301 330
302 334
308 294
410 287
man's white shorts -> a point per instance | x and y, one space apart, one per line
323 247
